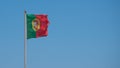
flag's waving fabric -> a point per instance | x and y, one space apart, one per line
37 25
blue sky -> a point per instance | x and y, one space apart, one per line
82 34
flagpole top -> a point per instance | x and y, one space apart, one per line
25 11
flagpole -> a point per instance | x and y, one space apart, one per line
25 41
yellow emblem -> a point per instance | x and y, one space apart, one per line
36 24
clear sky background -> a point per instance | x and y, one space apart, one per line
82 34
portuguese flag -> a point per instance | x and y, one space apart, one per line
37 25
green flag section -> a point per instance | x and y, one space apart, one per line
37 26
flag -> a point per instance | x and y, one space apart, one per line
37 25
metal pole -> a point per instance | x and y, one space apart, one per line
25 41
